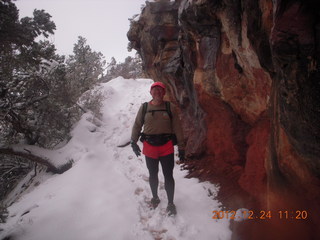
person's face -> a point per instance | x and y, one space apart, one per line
157 93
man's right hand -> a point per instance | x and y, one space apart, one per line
135 148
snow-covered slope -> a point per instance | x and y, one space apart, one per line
103 196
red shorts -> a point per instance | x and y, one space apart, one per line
157 151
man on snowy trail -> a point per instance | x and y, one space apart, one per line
161 130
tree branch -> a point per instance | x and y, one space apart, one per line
43 161
82 108
30 102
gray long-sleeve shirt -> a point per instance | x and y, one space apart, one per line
158 122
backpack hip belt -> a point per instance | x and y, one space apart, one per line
158 139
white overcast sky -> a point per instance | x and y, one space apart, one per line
104 23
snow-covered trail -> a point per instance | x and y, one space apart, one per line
105 194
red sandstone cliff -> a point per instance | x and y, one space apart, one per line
245 74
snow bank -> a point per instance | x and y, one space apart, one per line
104 195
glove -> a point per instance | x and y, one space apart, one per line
181 156
135 148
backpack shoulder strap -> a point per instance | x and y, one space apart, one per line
144 111
168 109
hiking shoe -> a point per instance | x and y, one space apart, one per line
171 209
155 202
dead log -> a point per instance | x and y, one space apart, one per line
37 159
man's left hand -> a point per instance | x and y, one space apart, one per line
181 156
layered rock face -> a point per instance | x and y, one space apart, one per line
246 77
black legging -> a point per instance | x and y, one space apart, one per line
167 163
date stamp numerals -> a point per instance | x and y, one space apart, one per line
243 215
261 215
224 214
298 214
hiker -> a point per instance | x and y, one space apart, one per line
162 129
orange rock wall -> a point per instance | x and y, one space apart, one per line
245 75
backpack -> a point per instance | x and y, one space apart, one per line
173 137
145 107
